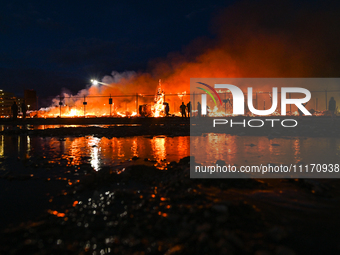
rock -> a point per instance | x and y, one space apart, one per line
283 250
220 208
277 233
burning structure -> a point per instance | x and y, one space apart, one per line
85 104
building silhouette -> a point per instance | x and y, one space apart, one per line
30 96
7 99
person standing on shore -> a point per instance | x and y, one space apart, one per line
332 106
14 110
189 109
183 108
199 109
23 109
167 109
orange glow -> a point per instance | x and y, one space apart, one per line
56 213
162 214
92 153
240 49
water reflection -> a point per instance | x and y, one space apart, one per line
254 150
2 146
158 147
97 151
93 143
160 150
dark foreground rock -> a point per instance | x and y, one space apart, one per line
142 210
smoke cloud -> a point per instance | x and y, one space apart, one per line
251 39
116 77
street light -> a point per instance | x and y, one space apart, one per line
95 83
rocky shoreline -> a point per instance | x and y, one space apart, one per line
142 210
306 127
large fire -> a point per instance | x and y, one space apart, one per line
92 106
238 49
89 105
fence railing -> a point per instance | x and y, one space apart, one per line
108 104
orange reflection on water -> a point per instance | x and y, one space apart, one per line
217 146
158 148
76 148
56 213
134 147
256 150
183 147
297 147
2 146
240 150
104 151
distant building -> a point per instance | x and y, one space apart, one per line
6 101
30 96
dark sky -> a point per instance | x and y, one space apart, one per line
50 45
47 45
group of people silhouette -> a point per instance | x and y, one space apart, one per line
186 108
15 110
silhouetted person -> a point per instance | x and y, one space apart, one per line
14 110
189 109
199 109
183 108
332 106
167 109
23 109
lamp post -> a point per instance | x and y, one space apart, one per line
95 83
110 103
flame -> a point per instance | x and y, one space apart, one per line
93 109
73 112
158 107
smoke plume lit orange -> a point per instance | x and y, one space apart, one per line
251 39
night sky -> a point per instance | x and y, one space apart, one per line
47 45
54 44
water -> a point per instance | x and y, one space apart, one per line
256 150
286 202
43 127
159 150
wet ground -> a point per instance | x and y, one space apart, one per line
133 195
